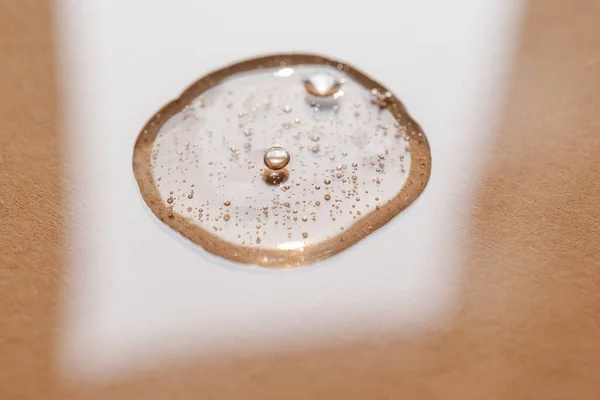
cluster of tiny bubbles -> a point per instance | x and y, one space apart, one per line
281 158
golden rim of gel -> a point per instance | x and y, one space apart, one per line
418 172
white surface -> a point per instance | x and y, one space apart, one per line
136 291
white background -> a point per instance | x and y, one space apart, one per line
137 291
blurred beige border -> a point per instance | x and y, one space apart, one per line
529 322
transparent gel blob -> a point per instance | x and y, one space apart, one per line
251 165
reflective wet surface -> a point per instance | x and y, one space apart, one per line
256 168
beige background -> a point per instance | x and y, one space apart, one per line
529 322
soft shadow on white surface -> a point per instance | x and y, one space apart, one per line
137 291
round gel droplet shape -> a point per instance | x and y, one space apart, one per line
276 158
275 164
